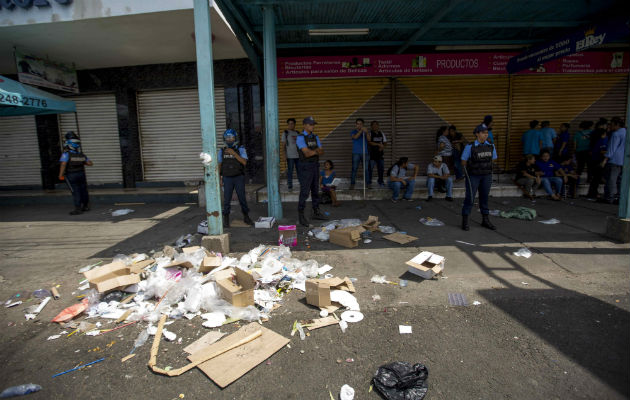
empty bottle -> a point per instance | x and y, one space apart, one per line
20 390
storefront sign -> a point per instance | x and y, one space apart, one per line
26 4
581 40
39 72
441 64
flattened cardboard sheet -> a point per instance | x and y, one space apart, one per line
400 238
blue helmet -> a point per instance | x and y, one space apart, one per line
72 141
230 138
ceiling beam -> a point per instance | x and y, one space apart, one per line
227 5
399 43
241 36
428 25
439 25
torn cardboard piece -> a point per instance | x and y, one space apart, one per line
202 342
111 276
400 238
426 265
347 237
371 224
231 342
322 322
237 361
318 290
209 263
237 290
138 267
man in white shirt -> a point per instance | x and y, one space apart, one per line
398 179
439 171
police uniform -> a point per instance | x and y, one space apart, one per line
478 157
233 174
376 156
308 172
75 175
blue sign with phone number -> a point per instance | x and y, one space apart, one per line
25 101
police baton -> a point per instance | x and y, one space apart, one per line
68 184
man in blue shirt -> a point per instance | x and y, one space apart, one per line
72 169
309 150
232 160
549 175
477 160
360 152
548 136
613 160
532 140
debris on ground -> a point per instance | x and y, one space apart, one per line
402 329
121 212
551 221
400 238
428 221
20 390
426 265
346 393
523 252
401 380
528 214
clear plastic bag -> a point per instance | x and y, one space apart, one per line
551 221
121 212
387 229
428 221
345 223
523 252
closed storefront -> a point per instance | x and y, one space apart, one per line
98 129
170 133
19 152
563 98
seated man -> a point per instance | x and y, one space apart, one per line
568 175
528 176
439 171
398 178
549 176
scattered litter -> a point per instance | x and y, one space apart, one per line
551 221
287 235
15 303
79 367
53 337
121 212
524 213
366 241
524 283
20 390
418 207
462 242
476 303
376 297
213 319
89 267
42 293
346 393
428 221
457 299
386 229
343 325
403 283
426 265
523 252
380 279
401 380
323 313
495 213
206 159
70 312
400 238
352 316
402 329
34 310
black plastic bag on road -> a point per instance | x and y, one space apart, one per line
402 381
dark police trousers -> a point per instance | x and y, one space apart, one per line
308 175
78 183
229 184
474 183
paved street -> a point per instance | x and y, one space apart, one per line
554 326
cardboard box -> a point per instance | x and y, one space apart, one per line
371 224
426 265
346 237
318 290
138 267
265 222
209 263
111 276
240 291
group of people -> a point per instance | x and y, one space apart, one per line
556 160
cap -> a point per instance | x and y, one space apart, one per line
309 120
437 158
480 128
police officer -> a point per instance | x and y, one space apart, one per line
477 160
73 163
309 150
232 160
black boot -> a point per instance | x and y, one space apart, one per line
248 220
303 220
226 220
76 211
86 207
465 225
318 215
486 223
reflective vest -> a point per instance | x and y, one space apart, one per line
230 165
76 162
311 143
480 161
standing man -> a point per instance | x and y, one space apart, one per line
532 139
73 163
377 143
613 159
309 150
548 137
359 151
477 159
488 121
232 161
291 150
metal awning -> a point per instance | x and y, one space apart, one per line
19 99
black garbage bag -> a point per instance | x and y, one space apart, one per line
402 381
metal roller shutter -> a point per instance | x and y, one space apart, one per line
336 104
19 152
170 133
423 104
562 98
98 124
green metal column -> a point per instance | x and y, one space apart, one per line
624 196
205 78
272 156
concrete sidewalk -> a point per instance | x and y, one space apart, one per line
556 325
